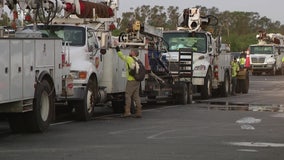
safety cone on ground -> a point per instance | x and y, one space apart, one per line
247 64
147 63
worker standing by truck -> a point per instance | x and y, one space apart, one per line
235 70
132 85
242 60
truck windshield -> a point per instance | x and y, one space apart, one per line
75 35
261 50
195 41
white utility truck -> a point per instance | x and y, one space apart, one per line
33 73
86 27
211 71
266 56
37 73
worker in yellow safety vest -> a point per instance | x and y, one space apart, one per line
235 69
242 60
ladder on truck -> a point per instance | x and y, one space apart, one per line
185 63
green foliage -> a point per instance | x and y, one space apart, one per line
5 21
239 29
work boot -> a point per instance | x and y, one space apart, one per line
126 113
138 113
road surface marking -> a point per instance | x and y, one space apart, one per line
256 144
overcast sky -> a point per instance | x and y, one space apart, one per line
272 9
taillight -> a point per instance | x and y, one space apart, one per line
63 59
216 72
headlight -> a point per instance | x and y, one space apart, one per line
270 61
79 74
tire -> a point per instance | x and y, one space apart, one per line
40 118
225 88
206 89
84 109
183 97
190 96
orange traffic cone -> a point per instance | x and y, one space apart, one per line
247 65
147 64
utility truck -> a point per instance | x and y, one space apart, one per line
159 84
181 62
211 72
266 56
71 78
34 72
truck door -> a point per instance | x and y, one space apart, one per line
94 50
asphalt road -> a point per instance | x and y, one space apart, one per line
242 127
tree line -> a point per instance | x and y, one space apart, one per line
236 28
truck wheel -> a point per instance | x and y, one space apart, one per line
85 108
39 119
206 89
183 97
225 89
43 108
189 93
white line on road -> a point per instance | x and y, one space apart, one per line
247 150
160 133
256 144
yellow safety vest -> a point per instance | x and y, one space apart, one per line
129 63
242 61
235 68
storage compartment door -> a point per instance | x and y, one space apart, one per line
28 68
16 74
4 70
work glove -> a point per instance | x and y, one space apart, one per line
117 48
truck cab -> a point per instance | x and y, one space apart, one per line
86 57
266 58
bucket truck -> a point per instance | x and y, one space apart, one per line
211 71
266 56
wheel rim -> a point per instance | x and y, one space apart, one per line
209 87
90 101
44 112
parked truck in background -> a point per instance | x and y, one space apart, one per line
266 56
211 71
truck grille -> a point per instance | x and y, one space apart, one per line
257 59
